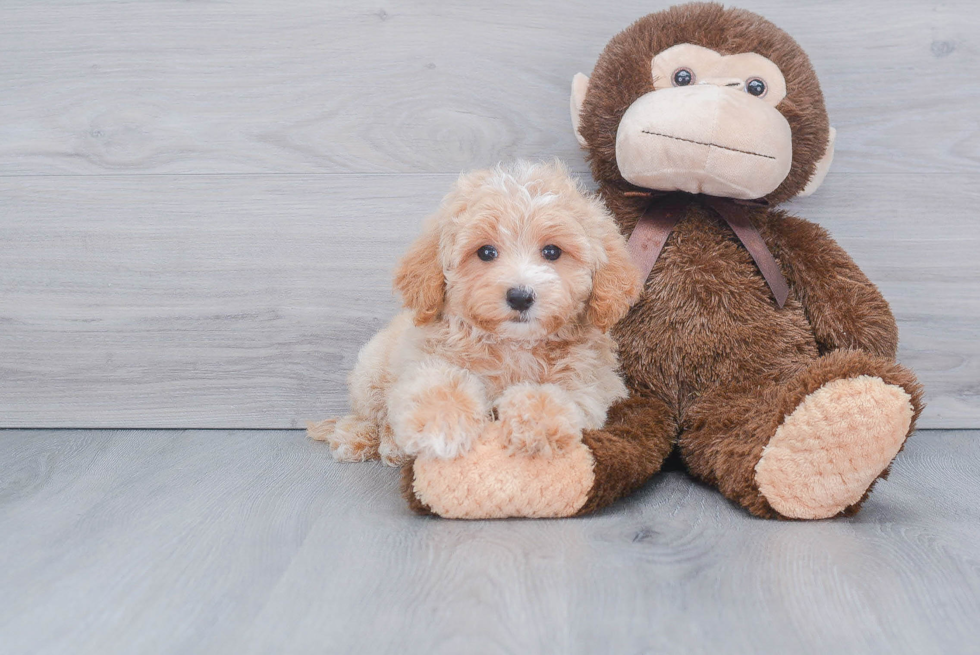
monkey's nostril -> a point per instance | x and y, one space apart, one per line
520 298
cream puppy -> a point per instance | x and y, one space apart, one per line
511 291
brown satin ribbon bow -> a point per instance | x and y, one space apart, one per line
666 209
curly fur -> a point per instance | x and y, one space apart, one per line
461 357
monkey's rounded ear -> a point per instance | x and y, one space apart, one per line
580 84
822 167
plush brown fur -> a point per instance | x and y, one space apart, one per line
724 365
720 365
638 436
725 432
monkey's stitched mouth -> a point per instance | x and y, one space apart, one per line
703 143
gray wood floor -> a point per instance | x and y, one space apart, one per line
257 542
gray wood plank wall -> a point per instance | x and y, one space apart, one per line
200 203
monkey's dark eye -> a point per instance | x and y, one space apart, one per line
683 77
551 252
487 253
756 87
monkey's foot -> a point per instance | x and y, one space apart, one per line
491 482
830 450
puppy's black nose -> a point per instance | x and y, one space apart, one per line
520 298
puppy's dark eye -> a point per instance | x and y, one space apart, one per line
551 252
683 77
487 253
756 87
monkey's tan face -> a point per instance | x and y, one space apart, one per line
698 118
710 126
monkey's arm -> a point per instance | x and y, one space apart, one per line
844 307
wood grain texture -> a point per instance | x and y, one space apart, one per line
305 86
222 301
200 203
239 542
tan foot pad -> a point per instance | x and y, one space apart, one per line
490 483
827 453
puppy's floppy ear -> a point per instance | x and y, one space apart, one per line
616 283
419 277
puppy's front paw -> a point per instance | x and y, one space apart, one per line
539 419
443 422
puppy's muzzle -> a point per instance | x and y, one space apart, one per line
520 298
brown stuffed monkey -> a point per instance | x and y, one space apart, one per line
758 348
